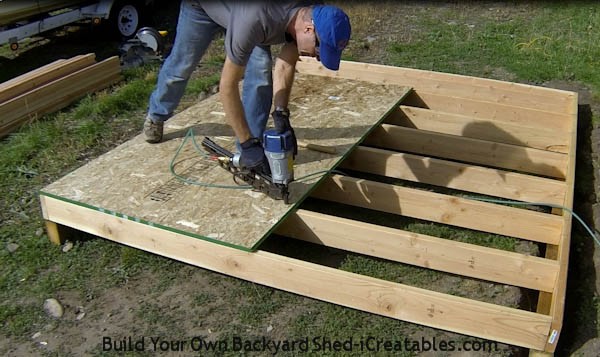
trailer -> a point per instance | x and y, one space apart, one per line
23 19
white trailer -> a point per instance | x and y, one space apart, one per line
22 19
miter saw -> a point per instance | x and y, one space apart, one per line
146 46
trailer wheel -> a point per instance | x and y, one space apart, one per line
126 18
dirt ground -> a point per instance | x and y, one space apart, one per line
116 311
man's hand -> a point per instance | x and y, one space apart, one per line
252 154
281 119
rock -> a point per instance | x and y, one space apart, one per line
202 96
80 316
589 349
270 328
53 308
12 247
36 335
68 246
39 232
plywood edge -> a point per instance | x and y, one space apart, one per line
323 177
503 324
422 250
456 175
540 137
46 197
465 86
441 208
481 152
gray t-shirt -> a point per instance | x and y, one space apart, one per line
251 23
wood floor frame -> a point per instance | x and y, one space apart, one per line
479 136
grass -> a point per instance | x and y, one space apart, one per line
553 41
534 43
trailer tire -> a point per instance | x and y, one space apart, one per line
126 17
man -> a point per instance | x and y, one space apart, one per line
250 28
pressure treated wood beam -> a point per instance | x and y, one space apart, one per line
422 250
540 136
523 159
485 320
455 175
435 207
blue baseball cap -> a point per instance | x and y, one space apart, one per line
333 28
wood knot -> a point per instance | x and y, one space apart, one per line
233 263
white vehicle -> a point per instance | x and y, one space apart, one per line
22 19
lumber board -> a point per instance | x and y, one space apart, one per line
440 208
561 251
489 111
58 93
455 175
422 250
481 152
543 138
102 83
43 75
338 113
485 320
483 89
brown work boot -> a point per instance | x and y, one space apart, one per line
153 131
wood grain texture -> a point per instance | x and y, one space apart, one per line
560 252
58 93
43 75
543 138
377 296
135 179
456 175
459 86
480 152
422 250
446 209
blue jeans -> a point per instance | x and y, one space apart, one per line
195 32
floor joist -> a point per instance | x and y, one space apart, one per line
422 250
455 175
545 163
537 137
486 110
440 208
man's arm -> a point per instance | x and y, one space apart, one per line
230 97
283 75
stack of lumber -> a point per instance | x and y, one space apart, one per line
52 87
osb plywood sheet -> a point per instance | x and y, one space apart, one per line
135 181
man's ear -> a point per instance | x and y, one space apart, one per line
308 27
